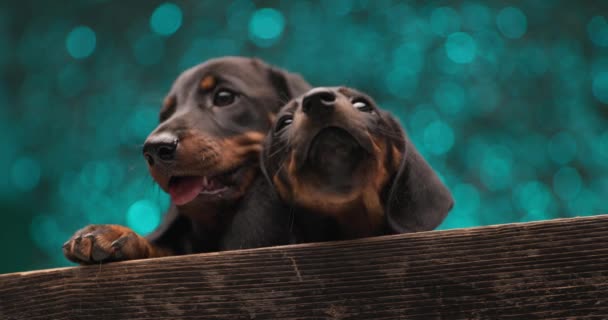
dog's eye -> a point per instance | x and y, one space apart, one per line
223 98
283 122
362 105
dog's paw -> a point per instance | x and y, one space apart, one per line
105 243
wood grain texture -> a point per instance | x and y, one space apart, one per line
554 269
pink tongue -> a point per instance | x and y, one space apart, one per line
185 189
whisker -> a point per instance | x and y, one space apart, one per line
279 150
283 98
389 133
281 166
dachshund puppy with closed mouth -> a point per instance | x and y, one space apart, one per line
343 168
204 153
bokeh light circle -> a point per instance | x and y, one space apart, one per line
400 83
460 47
469 201
25 173
600 86
266 26
81 42
438 137
597 29
444 20
68 187
534 198
45 232
466 207
408 58
421 117
450 97
143 216
586 203
96 174
402 78
567 183
166 19
496 168
562 147
512 22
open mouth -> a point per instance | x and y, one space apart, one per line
184 189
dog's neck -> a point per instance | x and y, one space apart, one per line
364 219
209 217
206 227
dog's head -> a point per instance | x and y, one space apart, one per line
204 152
333 151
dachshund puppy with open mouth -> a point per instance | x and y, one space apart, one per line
342 168
204 154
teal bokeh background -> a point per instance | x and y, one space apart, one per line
508 100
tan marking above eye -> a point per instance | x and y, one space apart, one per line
344 91
272 117
208 83
169 102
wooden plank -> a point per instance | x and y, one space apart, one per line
555 269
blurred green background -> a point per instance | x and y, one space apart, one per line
508 100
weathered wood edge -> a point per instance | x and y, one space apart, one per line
434 233
537 270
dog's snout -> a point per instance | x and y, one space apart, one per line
317 102
161 148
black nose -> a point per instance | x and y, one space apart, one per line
160 150
318 102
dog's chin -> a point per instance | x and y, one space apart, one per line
334 160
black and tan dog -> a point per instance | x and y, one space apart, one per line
204 153
342 169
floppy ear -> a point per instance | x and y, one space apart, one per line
288 85
417 199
